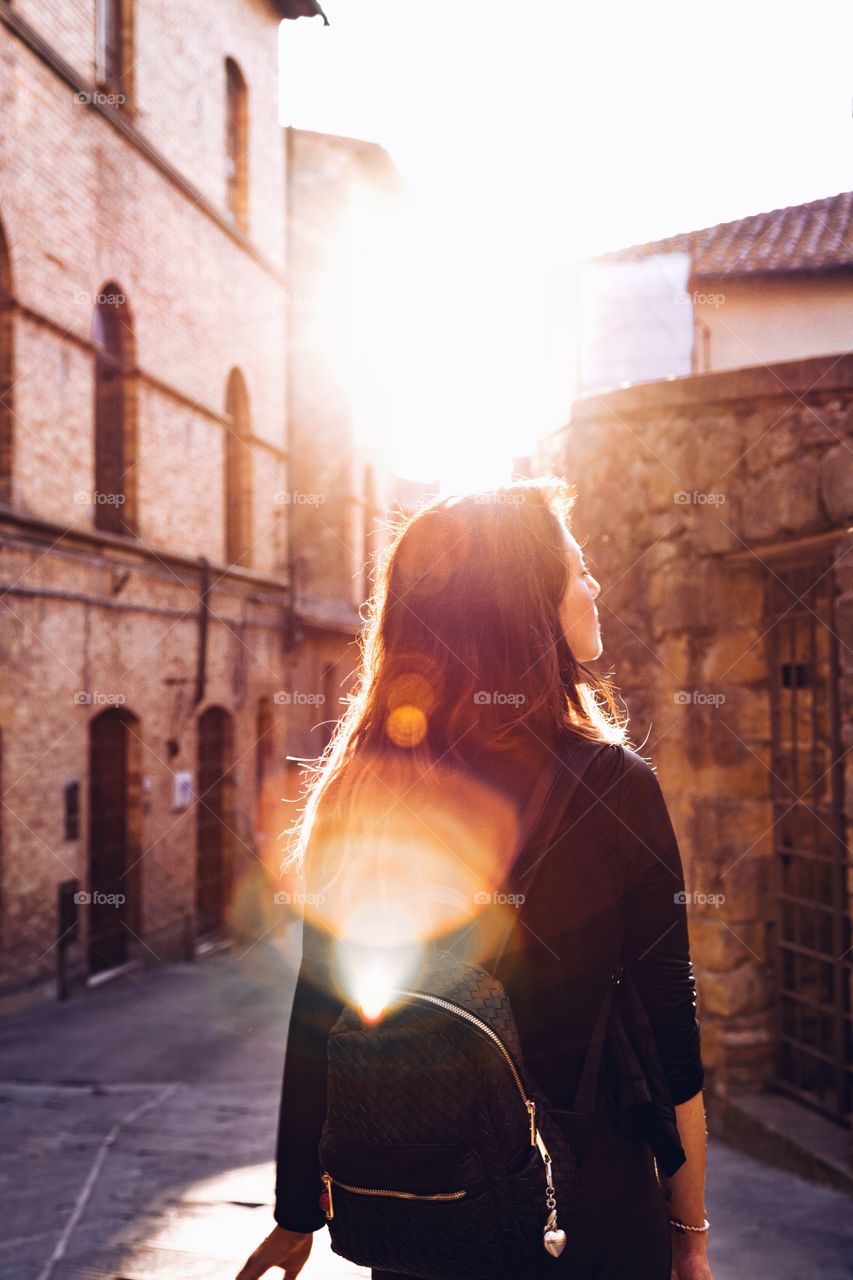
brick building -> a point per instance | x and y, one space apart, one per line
149 643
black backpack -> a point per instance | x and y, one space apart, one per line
439 1155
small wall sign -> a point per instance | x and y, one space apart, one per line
182 789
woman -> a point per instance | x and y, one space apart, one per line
480 624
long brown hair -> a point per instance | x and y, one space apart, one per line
463 654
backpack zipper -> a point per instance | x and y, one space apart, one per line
530 1104
373 1191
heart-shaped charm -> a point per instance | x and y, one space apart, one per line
555 1242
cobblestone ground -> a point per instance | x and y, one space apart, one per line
139 1124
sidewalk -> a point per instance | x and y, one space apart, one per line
138 1182
140 1129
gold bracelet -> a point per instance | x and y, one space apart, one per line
681 1227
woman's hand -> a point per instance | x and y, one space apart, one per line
282 1248
690 1257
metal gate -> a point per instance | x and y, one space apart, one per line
108 839
213 819
812 944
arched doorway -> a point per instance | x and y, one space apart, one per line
114 827
214 821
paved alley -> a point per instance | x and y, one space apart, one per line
139 1124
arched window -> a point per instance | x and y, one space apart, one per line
238 473
7 380
115 441
236 144
115 49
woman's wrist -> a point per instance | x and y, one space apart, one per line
688 1242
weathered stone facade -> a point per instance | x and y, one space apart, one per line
715 512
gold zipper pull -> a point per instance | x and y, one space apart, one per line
531 1109
543 1150
330 1211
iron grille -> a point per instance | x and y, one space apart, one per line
814 1059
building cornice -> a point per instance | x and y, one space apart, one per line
117 550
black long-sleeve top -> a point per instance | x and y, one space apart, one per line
610 890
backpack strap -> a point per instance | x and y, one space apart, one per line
538 823
584 1103
573 760
529 822
586 1093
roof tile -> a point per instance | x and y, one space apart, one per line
817 236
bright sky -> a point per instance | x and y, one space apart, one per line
534 134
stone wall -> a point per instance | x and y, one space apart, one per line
695 496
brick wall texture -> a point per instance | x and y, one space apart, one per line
95 624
